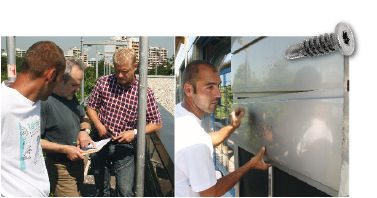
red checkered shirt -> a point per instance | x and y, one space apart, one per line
118 105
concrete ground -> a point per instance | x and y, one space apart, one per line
167 130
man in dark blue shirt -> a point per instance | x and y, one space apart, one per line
64 129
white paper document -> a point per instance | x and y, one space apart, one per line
96 147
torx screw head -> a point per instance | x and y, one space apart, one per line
346 41
342 39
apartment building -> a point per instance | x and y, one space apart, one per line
157 56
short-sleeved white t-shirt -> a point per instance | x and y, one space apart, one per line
194 168
23 170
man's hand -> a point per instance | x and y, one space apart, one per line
83 140
125 136
225 183
257 161
73 153
237 116
103 132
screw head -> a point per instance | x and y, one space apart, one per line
345 39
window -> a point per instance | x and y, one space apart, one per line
225 151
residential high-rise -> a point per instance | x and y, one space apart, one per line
131 42
20 52
75 53
91 62
134 43
157 56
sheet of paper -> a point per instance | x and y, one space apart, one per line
96 147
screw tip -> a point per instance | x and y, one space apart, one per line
293 52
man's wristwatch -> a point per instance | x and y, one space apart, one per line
135 132
86 130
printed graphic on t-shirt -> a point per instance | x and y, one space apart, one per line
30 142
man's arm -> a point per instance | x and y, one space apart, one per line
150 128
85 123
72 152
83 138
219 136
224 184
128 136
102 131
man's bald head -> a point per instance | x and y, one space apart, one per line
190 74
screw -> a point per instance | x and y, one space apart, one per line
342 39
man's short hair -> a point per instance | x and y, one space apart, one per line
41 56
191 71
70 63
121 56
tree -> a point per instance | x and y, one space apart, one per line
167 68
90 79
4 72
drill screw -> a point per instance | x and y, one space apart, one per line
342 39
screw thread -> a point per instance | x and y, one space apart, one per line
341 40
319 45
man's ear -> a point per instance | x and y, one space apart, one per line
189 89
136 65
50 74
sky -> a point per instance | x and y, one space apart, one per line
66 42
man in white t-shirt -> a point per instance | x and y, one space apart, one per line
23 170
194 168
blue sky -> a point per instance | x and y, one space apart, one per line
66 42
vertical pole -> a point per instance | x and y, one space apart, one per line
96 63
11 57
104 68
141 121
104 60
236 166
344 169
83 75
172 66
270 182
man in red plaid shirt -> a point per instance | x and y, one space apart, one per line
115 97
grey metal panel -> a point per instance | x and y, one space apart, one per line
239 42
303 135
294 107
262 67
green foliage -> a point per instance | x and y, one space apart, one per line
90 79
90 75
164 69
223 110
4 73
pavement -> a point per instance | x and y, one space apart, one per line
167 130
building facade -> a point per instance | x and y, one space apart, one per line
297 109
20 52
157 56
